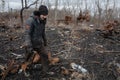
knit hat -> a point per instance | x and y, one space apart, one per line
43 10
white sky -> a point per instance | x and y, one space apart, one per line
16 4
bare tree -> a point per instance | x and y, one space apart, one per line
36 5
115 9
41 2
25 7
8 6
48 4
86 5
106 9
3 5
99 10
25 3
22 3
56 7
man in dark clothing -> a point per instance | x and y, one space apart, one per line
35 38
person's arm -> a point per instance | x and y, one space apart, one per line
28 33
44 37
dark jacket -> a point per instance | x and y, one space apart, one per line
35 35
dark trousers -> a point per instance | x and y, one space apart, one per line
43 56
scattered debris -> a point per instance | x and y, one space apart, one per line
79 68
83 47
67 20
83 16
17 56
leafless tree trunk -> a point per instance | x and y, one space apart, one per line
25 7
3 5
25 3
41 2
86 5
36 5
68 5
107 15
49 5
56 7
114 5
22 3
8 6
115 10
99 11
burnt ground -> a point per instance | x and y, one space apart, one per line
99 55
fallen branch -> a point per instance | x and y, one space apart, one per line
5 73
111 51
2 67
59 53
17 55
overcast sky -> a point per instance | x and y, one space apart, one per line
16 4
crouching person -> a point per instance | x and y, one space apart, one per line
35 38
